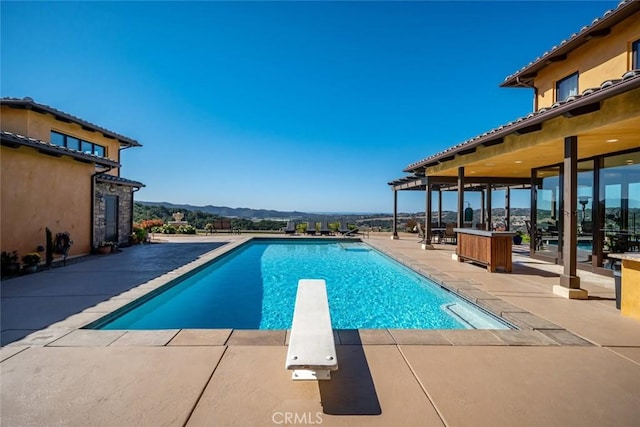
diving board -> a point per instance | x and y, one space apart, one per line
312 350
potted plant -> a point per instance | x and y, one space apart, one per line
9 262
517 239
107 247
31 261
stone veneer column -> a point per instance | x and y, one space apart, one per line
125 198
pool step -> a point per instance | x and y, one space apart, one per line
459 312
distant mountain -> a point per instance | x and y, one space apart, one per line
227 212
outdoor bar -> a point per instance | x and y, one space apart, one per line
491 248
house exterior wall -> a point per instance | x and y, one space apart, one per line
39 191
125 201
598 60
39 126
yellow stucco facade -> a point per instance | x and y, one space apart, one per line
30 204
39 126
600 59
47 186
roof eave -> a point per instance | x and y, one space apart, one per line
621 87
43 147
29 104
599 28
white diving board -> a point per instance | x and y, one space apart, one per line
312 350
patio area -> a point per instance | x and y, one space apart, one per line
573 362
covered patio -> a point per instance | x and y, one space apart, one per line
581 160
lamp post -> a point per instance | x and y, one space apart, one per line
583 201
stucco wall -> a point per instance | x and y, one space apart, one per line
39 191
596 61
39 126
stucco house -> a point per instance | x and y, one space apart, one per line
61 172
578 151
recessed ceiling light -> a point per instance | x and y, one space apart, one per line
613 140
489 164
518 161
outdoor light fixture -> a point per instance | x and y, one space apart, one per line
612 140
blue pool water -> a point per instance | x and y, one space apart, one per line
254 287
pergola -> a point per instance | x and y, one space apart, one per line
460 184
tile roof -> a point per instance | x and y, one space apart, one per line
15 140
630 80
118 180
30 104
598 27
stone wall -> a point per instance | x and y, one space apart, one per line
125 200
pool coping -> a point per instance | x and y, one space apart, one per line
533 330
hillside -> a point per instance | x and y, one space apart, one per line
227 212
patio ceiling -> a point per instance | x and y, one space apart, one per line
614 127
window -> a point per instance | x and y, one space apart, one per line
635 55
567 87
73 143
77 144
87 147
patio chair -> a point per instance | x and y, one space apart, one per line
291 228
536 235
324 228
311 228
449 234
421 234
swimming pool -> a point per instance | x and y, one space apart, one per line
254 287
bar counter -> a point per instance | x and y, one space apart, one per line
490 248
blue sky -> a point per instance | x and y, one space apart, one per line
309 106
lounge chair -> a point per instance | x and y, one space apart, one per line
346 231
291 228
324 228
311 229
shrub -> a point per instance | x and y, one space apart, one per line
150 224
167 229
140 233
32 258
187 229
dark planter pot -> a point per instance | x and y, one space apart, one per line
104 250
28 269
11 269
517 239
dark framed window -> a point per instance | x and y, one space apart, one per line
57 138
635 55
567 87
76 144
87 147
98 150
73 143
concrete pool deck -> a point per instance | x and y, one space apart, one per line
59 374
